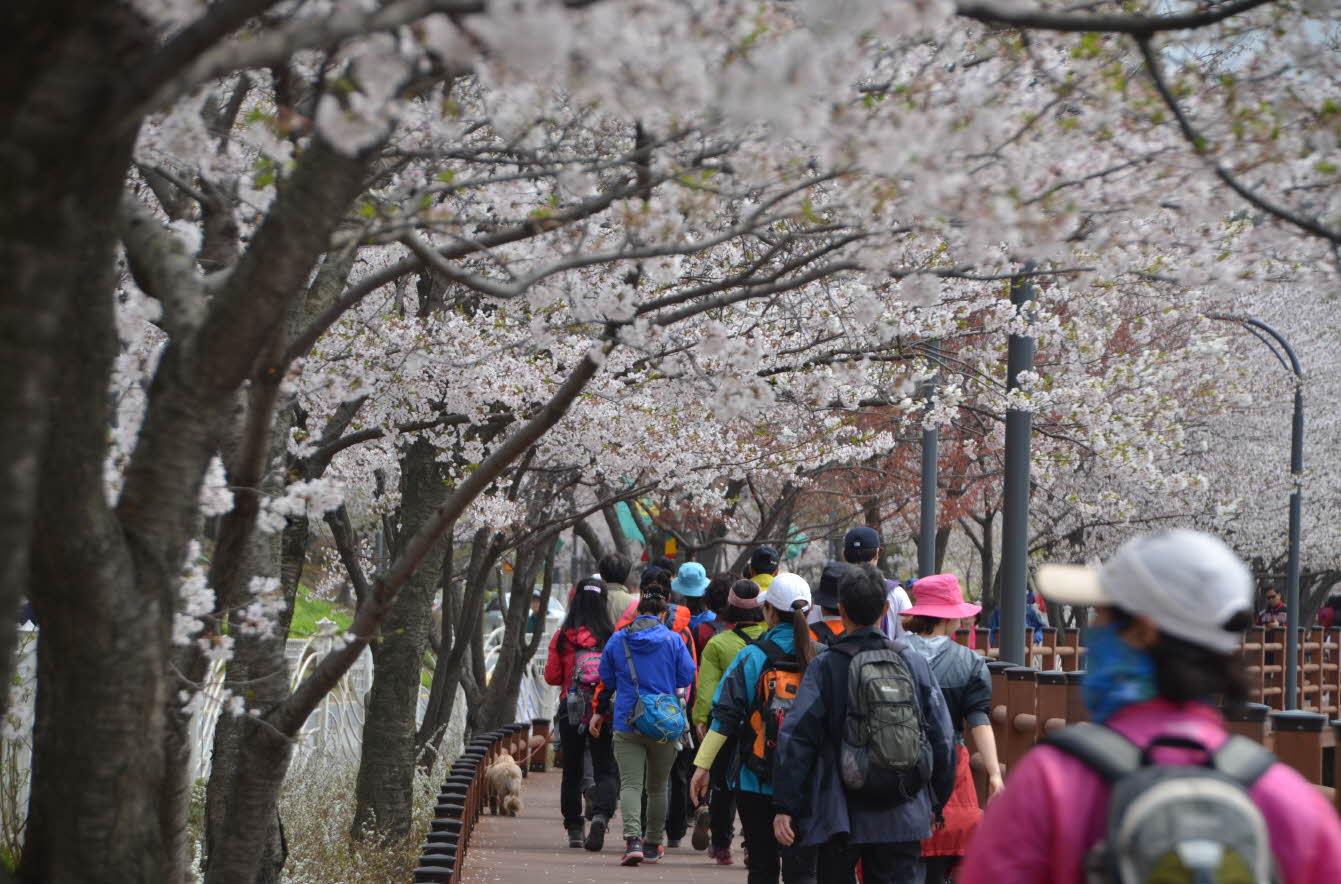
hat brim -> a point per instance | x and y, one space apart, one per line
1071 585
690 590
942 612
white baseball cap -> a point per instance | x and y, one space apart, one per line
785 589
1188 582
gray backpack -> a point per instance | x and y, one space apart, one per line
1175 823
885 756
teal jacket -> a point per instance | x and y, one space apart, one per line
735 697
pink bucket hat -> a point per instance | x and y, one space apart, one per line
939 596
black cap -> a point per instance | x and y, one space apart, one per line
826 594
764 560
863 541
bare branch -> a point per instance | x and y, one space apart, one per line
990 12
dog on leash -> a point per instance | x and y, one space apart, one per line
505 784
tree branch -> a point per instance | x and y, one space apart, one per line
162 268
1199 146
292 713
1139 25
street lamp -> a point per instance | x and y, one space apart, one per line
1259 329
1015 488
926 538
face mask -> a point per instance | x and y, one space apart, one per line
1116 674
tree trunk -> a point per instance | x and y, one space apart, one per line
104 626
447 676
384 793
505 682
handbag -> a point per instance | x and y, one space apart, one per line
658 716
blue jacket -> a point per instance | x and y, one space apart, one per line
807 783
1031 618
735 696
660 656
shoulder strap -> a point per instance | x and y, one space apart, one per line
628 655
740 631
773 652
1102 749
848 648
1242 760
823 632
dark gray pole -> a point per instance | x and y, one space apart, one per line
926 540
1015 494
1257 327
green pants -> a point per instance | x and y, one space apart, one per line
643 763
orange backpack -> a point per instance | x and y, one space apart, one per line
778 683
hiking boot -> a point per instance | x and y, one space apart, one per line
702 825
652 853
633 852
595 836
575 836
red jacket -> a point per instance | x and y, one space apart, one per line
562 657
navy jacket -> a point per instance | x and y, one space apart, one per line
807 783
660 656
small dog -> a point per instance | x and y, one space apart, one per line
505 783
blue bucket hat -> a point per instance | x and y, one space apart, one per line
691 581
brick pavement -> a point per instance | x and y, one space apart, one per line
532 848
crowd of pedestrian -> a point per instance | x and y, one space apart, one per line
834 723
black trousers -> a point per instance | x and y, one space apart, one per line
939 868
605 793
677 811
893 863
768 859
722 798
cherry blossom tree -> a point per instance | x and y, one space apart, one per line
763 208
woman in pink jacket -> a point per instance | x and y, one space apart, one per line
1170 609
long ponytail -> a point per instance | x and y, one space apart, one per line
805 648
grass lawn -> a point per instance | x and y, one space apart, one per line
307 611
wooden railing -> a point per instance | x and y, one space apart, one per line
1028 704
465 794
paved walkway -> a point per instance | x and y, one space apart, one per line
531 848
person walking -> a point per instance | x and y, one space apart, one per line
967 687
755 691
614 569
763 567
689 588
743 618
644 665
861 546
826 624
832 789
573 665
1171 608
1275 614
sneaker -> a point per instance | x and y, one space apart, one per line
672 843
575 836
702 824
652 853
595 836
633 853
721 856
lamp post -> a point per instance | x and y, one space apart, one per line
926 539
1015 493
1258 330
